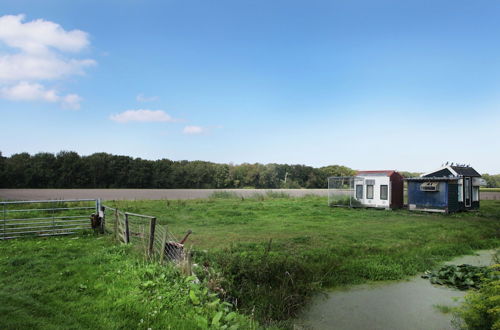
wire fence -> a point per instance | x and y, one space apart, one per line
342 191
64 217
143 231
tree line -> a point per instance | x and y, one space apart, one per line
67 169
492 181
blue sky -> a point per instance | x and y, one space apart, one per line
402 85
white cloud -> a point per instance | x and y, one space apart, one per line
50 66
192 130
25 91
39 35
36 53
142 115
142 98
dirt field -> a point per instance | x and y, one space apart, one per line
139 194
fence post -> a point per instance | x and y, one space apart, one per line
127 232
163 243
53 219
152 225
4 220
103 220
116 224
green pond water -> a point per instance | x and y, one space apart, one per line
395 305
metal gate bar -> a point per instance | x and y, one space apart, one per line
56 222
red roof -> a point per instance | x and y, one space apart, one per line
386 172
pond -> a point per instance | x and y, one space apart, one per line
401 305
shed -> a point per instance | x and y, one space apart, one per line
382 189
448 189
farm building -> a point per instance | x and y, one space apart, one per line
380 189
448 189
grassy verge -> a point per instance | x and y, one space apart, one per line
491 189
270 254
85 282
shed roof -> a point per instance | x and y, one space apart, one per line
465 171
450 170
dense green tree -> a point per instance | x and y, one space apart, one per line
337 170
44 170
492 181
18 169
72 172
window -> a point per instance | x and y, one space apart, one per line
384 190
429 186
467 188
359 191
460 193
369 191
475 194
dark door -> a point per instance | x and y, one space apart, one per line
467 192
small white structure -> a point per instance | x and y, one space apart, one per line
380 189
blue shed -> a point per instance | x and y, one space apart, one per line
449 189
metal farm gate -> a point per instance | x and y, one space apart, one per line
45 217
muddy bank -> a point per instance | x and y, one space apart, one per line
395 305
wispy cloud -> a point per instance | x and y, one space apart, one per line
142 115
194 130
36 52
142 98
25 91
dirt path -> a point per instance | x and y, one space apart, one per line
132 194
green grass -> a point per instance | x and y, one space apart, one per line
314 246
302 224
491 189
444 308
266 254
89 282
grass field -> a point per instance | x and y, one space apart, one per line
315 245
266 255
301 224
85 282
491 189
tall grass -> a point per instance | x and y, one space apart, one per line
88 282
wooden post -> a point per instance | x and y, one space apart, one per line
163 243
116 224
127 232
152 225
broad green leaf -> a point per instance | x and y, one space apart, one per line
216 319
194 299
